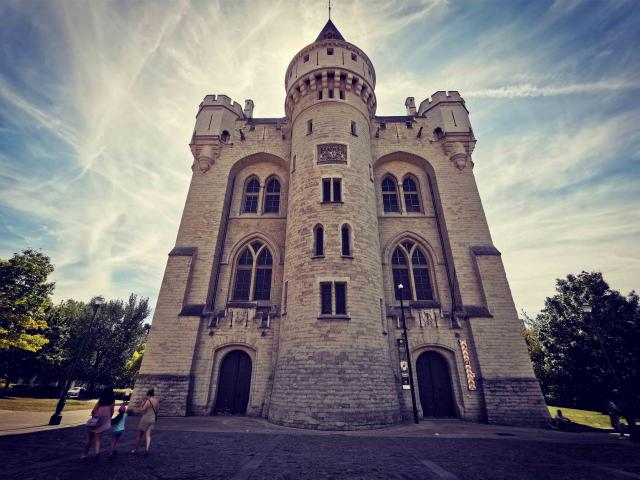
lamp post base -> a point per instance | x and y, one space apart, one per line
55 419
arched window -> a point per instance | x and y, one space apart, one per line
411 196
318 247
389 195
346 240
225 136
272 197
251 192
253 273
414 274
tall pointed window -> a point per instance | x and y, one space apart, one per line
346 240
251 192
272 197
253 273
411 196
318 244
413 274
390 195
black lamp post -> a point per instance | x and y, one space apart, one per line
56 418
406 346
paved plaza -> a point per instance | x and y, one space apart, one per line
248 448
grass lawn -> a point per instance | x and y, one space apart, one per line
584 417
42 404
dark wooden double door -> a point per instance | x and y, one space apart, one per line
434 385
234 383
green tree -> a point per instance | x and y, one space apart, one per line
132 366
116 334
583 358
25 299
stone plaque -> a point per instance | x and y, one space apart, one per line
332 153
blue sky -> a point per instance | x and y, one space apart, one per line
98 98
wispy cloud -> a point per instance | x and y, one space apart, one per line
531 90
97 104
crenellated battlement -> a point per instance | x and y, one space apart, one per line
439 97
221 100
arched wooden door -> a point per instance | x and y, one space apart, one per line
434 385
234 383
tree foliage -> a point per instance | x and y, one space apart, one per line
24 300
583 359
109 341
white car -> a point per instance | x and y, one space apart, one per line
75 392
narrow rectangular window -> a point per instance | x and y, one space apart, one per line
319 94
354 129
331 93
293 164
346 244
329 51
341 298
326 189
309 126
325 298
337 190
284 299
354 57
342 95
319 250
306 58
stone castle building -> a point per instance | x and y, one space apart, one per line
280 298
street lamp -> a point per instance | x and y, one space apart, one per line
406 346
56 418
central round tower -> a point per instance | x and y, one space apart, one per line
333 369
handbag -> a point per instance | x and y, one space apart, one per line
93 422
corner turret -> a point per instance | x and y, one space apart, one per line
215 121
447 112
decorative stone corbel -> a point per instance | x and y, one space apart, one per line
457 154
204 159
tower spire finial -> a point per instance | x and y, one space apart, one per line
329 9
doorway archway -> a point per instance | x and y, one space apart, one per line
434 385
234 382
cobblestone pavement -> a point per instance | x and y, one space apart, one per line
206 448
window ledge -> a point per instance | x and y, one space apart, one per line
350 257
332 203
334 317
315 257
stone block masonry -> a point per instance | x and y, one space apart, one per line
279 299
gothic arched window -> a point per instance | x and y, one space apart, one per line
411 196
225 136
272 197
390 195
251 192
414 274
253 273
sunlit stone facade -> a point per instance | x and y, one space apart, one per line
279 298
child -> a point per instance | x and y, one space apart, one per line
117 429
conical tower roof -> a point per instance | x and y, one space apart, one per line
330 31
